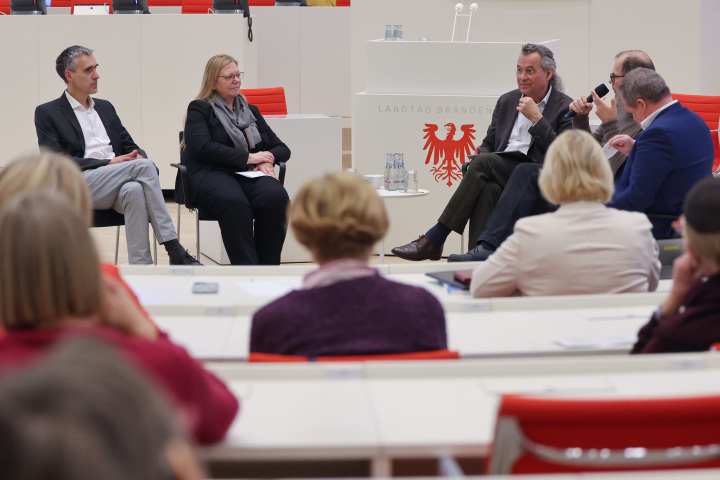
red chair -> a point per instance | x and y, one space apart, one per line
61 3
430 355
4 7
708 107
196 7
342 3
270 101
86 2
164 3
261 3
541 435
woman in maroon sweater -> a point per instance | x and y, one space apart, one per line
52 288
345 307
689 318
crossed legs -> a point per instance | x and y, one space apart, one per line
133 189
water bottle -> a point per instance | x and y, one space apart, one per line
398 33
402 176
388 32
390 173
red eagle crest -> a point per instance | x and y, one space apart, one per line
449 150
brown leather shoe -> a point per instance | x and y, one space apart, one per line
420 249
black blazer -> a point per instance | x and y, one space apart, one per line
59 130
208 147
543 132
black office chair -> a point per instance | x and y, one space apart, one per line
111 218
182 196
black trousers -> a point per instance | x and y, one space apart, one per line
252 213
479 191
521 198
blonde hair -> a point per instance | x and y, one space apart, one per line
337 216
207 85
49 268
706 245
46 171
575 169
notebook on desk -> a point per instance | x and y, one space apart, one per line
457 278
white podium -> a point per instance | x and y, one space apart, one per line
414 87
315 143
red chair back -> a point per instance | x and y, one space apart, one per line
164 3
342 3
430 355
261 3
202 7
5 7
86 2
541 435
708 107
270 101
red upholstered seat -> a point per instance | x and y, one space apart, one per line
261 3
708 107
5 7
196 6
431 355
270 101
342 3
544 435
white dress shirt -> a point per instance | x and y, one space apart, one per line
97 141
520 137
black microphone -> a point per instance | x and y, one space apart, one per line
601 91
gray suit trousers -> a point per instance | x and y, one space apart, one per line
133 189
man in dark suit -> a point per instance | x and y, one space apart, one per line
116 170
524 123
673 152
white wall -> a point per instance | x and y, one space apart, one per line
682 37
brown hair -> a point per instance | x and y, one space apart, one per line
337 216
49 268
83 414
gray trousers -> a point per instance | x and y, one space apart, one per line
133 189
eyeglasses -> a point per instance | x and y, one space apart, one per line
613 77
230 78
528 71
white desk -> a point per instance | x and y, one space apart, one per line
381 419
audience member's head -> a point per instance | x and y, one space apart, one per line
210 76
643 84
632 59
702 220
83 413
49 267
338 216
68 58
46 171
575 169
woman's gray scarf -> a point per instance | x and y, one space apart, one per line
234 122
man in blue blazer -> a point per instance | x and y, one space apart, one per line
674 151
116 170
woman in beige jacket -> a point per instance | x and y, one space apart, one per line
583 247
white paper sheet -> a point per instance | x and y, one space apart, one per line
254 174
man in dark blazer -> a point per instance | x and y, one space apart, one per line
524 123
116 170
673 152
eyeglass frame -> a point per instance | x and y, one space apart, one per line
526 71
613 77
230 78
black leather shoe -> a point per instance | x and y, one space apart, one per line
184 259
420 249
477 254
